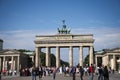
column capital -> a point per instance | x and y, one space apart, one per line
91 45
47 46
57 46
81 46
36 47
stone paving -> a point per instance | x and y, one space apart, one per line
115 76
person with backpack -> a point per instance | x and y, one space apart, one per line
81 71
91 72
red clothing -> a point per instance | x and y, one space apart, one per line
91 69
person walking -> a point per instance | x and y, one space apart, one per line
91 72
106 73
73 70
100 73
34 73
81 71
54 72
40 72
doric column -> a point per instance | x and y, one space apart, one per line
57 56
12 63
3 63
107 60
96 61
114 62
18 62
37 57
6 65
91 56
81 56
47 56
71 56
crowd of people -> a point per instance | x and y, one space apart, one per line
101 71
90 71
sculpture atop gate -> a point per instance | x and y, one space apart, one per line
64 30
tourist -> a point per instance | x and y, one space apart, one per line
33 73
100 73
40 72
91 72
54 72
73 72
64 70
85 71
60 70
30 70
106 73
81 71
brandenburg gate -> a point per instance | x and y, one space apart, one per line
64 39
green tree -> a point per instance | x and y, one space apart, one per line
86 61
43 59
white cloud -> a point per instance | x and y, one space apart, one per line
20 39
104 37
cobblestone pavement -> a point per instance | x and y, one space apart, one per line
59 77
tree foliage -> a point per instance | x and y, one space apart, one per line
86 61
43 58
52 60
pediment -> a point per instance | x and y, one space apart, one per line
10 52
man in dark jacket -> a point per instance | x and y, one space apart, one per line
73 70
100 73
106 73
81 70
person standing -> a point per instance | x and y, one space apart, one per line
64 70
106 73
91 72
73 72
34 73
40 72
81 70
60 70
54 72
100 73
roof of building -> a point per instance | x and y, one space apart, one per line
104 51
9 52
99 52
29 53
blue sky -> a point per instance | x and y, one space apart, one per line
22 20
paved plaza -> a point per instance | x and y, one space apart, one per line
115 76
